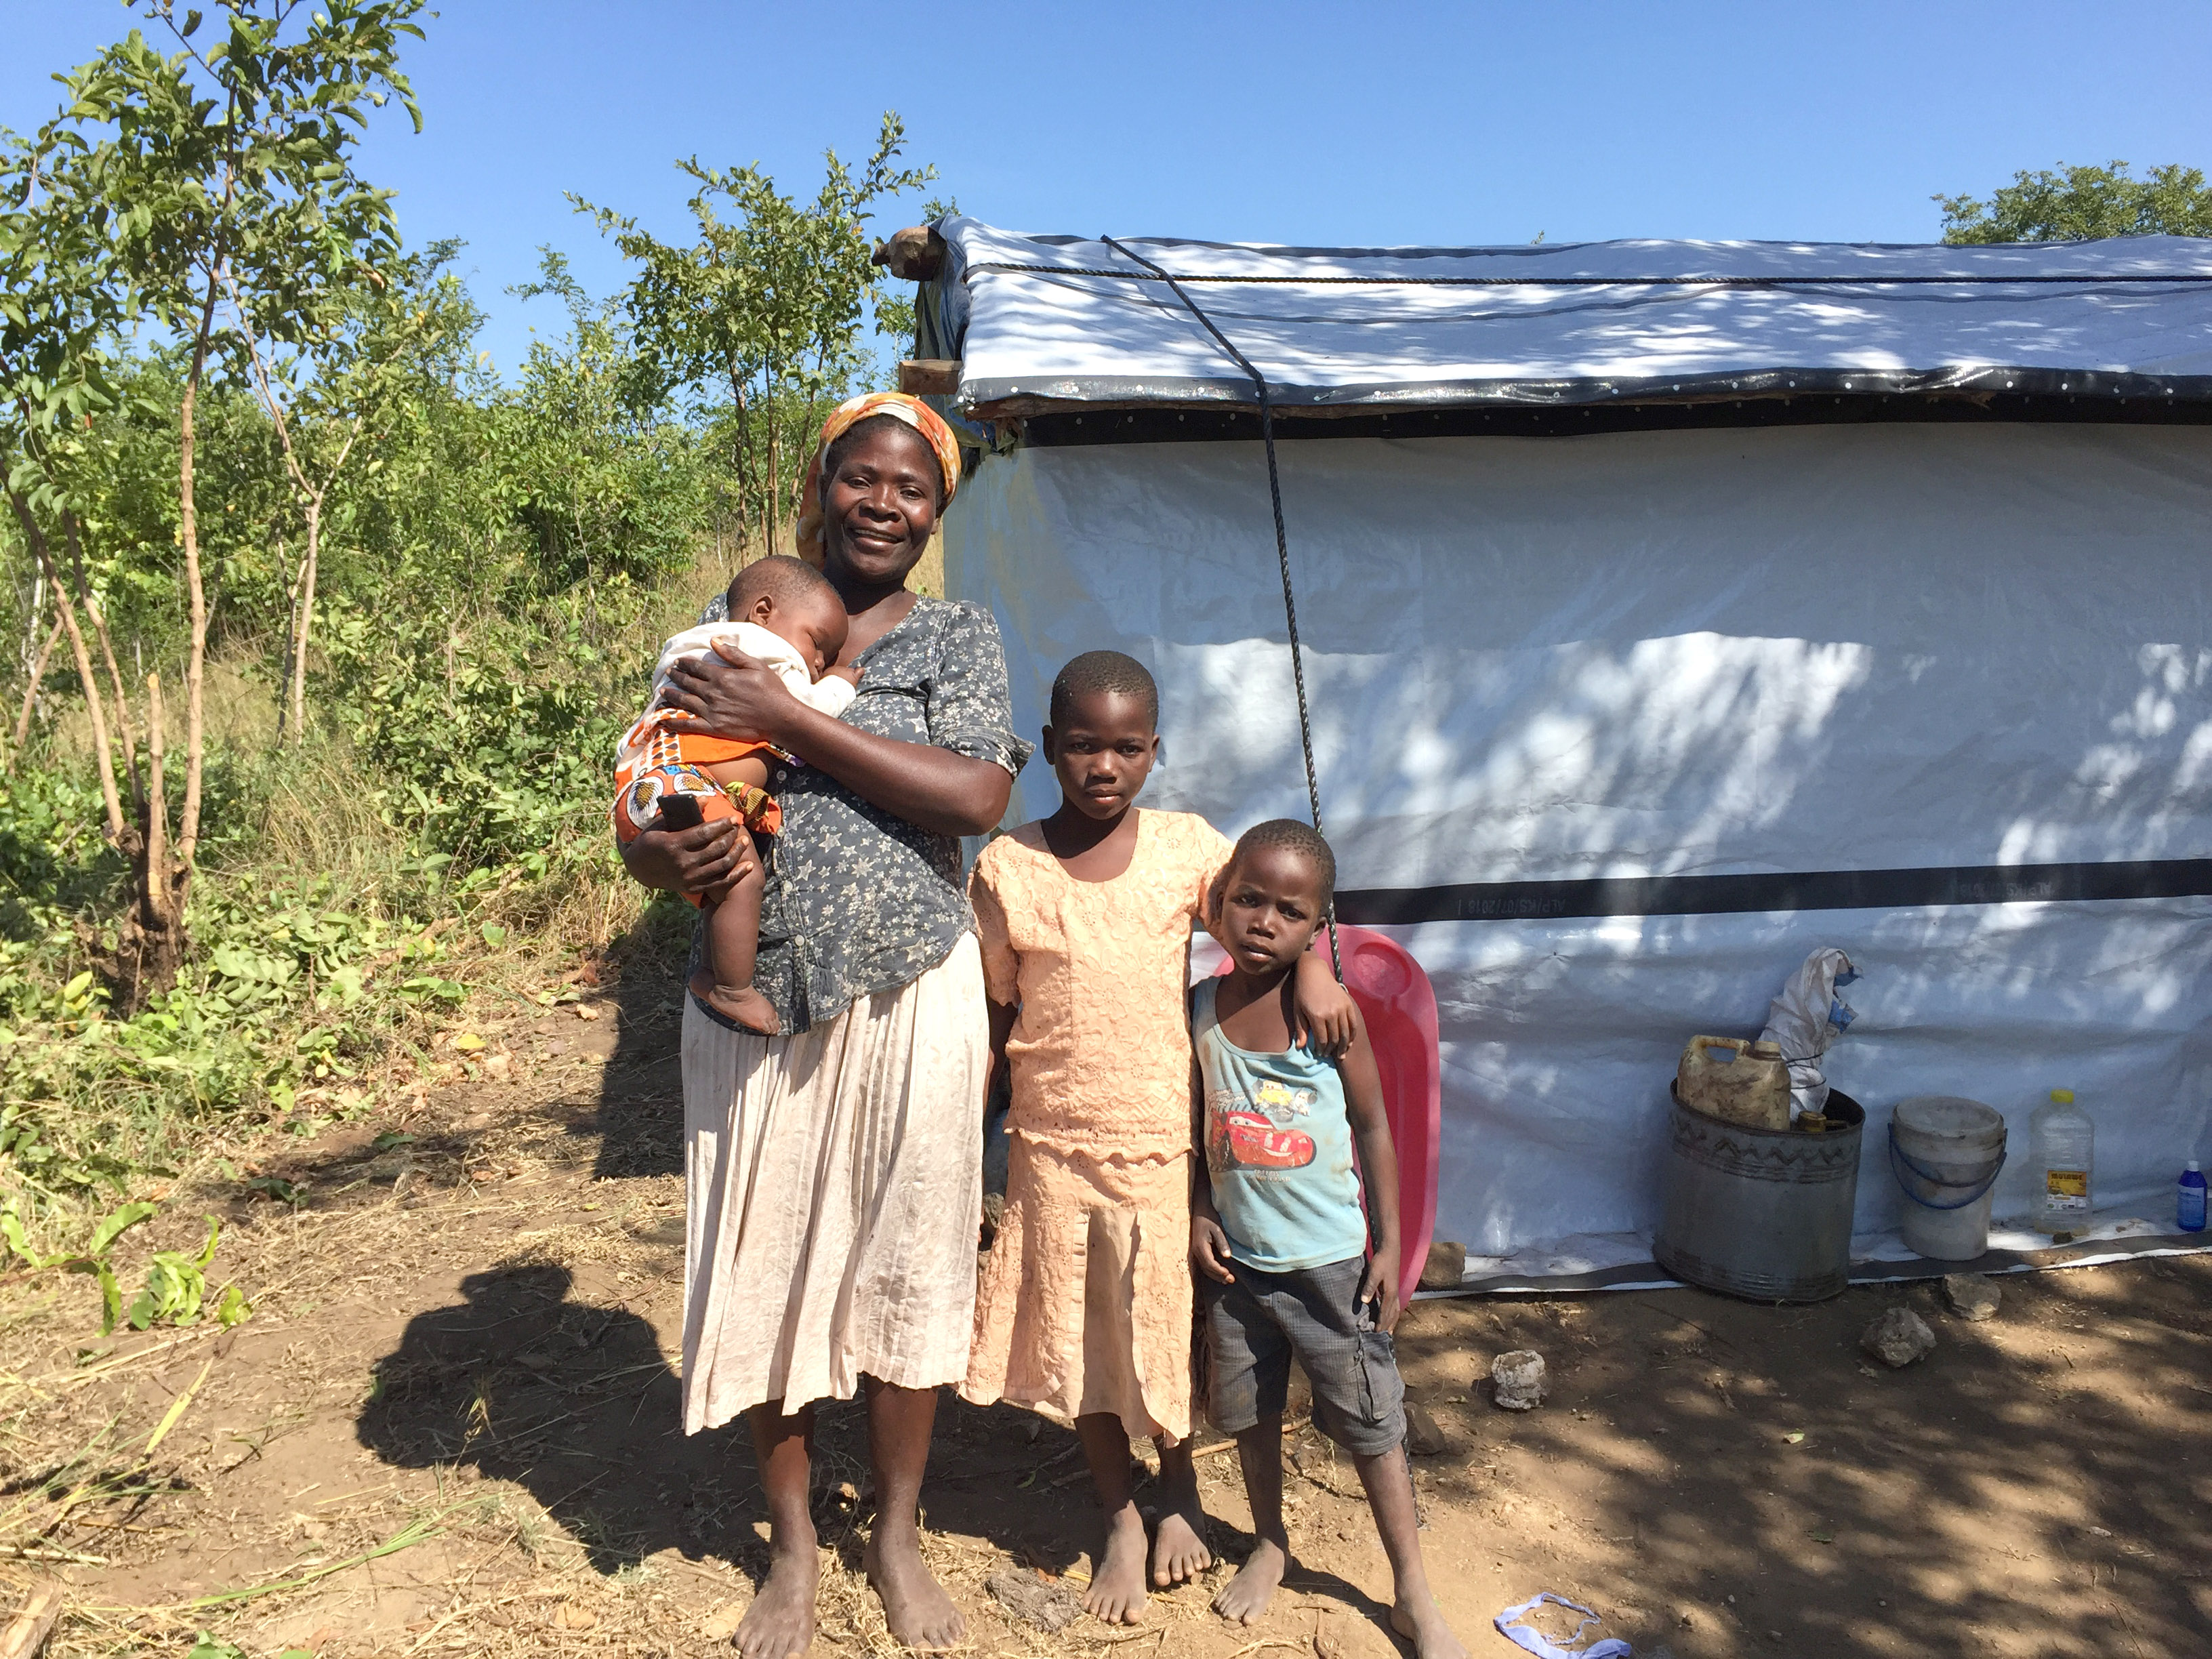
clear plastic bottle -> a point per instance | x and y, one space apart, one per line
2065 1159
2188 1211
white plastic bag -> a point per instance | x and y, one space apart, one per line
1804 1020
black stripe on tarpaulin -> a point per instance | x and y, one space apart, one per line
1816 890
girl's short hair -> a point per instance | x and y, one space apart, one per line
1094 671
1291 836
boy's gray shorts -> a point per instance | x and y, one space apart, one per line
1253 1327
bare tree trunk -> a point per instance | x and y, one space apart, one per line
152 942
31 692
775 502
151 947
291 623
123 730
36 539
188 822
306 619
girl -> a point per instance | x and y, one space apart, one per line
1085 919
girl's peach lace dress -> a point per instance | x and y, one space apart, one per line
1085 1301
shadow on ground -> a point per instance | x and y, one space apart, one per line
576 1404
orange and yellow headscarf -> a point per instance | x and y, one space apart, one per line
807 532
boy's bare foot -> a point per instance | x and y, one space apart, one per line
1245 1597
1420 1621
1117 1582
915 1606
780 1624
742 1004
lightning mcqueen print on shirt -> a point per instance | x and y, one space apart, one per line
1245 1140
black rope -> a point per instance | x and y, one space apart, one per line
1282 556
1152 273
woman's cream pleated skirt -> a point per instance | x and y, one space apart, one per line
833 1186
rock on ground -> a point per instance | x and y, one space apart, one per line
1445 1268
1518 1380
1898 1337
1424 1435
1046 1603
1971 1296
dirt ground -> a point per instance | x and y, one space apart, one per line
450 1427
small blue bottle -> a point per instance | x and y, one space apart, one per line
2190 1211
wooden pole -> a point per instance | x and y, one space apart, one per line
27 1633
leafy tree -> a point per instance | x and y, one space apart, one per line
607 486
59 317
765 304
352 367
2077 203
229 168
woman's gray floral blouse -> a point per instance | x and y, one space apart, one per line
859 900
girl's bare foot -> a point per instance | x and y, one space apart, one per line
1245 1597
1178 1552
1116 1595
915 1606
742 1004
1420 1621
780 1624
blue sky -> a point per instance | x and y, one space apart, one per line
1287 122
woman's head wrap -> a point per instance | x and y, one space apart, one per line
807 532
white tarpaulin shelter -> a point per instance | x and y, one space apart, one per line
1656 633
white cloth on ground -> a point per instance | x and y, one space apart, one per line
829 694
833 1183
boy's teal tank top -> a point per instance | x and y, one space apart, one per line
1277 1149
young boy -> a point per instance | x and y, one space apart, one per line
1277 1232
669 774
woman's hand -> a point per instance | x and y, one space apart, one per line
733 696
1325 1015
704 859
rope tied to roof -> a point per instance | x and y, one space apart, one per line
1282 557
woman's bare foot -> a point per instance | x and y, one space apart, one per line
915 1606
780 1624
1245 1597
1421 1622
738 1003
1117 1583
1178 1552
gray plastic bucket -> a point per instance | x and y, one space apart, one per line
1945 1151
1765 1213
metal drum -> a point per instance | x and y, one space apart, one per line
1764 1213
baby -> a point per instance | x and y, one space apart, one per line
669 774
1282 1219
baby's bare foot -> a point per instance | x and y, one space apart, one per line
1420 1621
1116 1595
1245 1597
744 1005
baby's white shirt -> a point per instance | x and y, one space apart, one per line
829 694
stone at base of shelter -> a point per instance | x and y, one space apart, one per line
1898 1337
1971 1296
1446 1266
1517 1380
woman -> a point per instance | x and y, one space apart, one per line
832 1172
